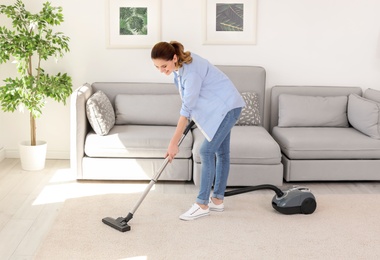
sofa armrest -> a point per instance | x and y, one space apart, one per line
79 126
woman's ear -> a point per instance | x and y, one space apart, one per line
175 58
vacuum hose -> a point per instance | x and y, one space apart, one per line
252 188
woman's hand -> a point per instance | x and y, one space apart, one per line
172 151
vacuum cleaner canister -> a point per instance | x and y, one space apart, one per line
294 201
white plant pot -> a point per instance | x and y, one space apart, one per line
33 157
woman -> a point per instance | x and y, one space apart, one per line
211 100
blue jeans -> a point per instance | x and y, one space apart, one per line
215 159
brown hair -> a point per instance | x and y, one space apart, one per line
166 51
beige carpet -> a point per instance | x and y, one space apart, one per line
342 227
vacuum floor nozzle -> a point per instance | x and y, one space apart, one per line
120 223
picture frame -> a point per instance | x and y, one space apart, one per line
232 22
133 23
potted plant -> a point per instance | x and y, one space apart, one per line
31 41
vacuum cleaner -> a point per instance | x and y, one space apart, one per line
291 201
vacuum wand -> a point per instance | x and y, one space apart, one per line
121 223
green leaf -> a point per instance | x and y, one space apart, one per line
30 41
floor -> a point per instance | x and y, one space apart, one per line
30 201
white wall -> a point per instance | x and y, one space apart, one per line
312 42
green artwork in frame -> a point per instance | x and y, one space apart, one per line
230 22
133 21
229 17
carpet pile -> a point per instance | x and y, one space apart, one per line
342 227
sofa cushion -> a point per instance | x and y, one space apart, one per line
249 145
326 143
364 115
250 114
147 109
304 111
135 141
100 113
372 94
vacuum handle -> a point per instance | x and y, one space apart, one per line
188 127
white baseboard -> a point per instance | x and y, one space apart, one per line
60 155
11 153
2 153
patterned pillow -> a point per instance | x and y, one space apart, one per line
100 113
250 114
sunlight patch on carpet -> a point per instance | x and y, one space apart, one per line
63 185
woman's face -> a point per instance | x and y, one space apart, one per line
166 66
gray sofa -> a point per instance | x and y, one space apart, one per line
146 116
327 133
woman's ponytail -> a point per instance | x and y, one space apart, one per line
166 51
183 57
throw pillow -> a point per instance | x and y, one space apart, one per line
312 111
250 114
364 115
100 113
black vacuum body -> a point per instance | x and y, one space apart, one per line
296 200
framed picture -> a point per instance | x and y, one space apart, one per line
133 23
230 21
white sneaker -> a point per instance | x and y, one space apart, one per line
195 212
214 207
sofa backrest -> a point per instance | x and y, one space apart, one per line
112 89
372 94
245 78
248 79
325 91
